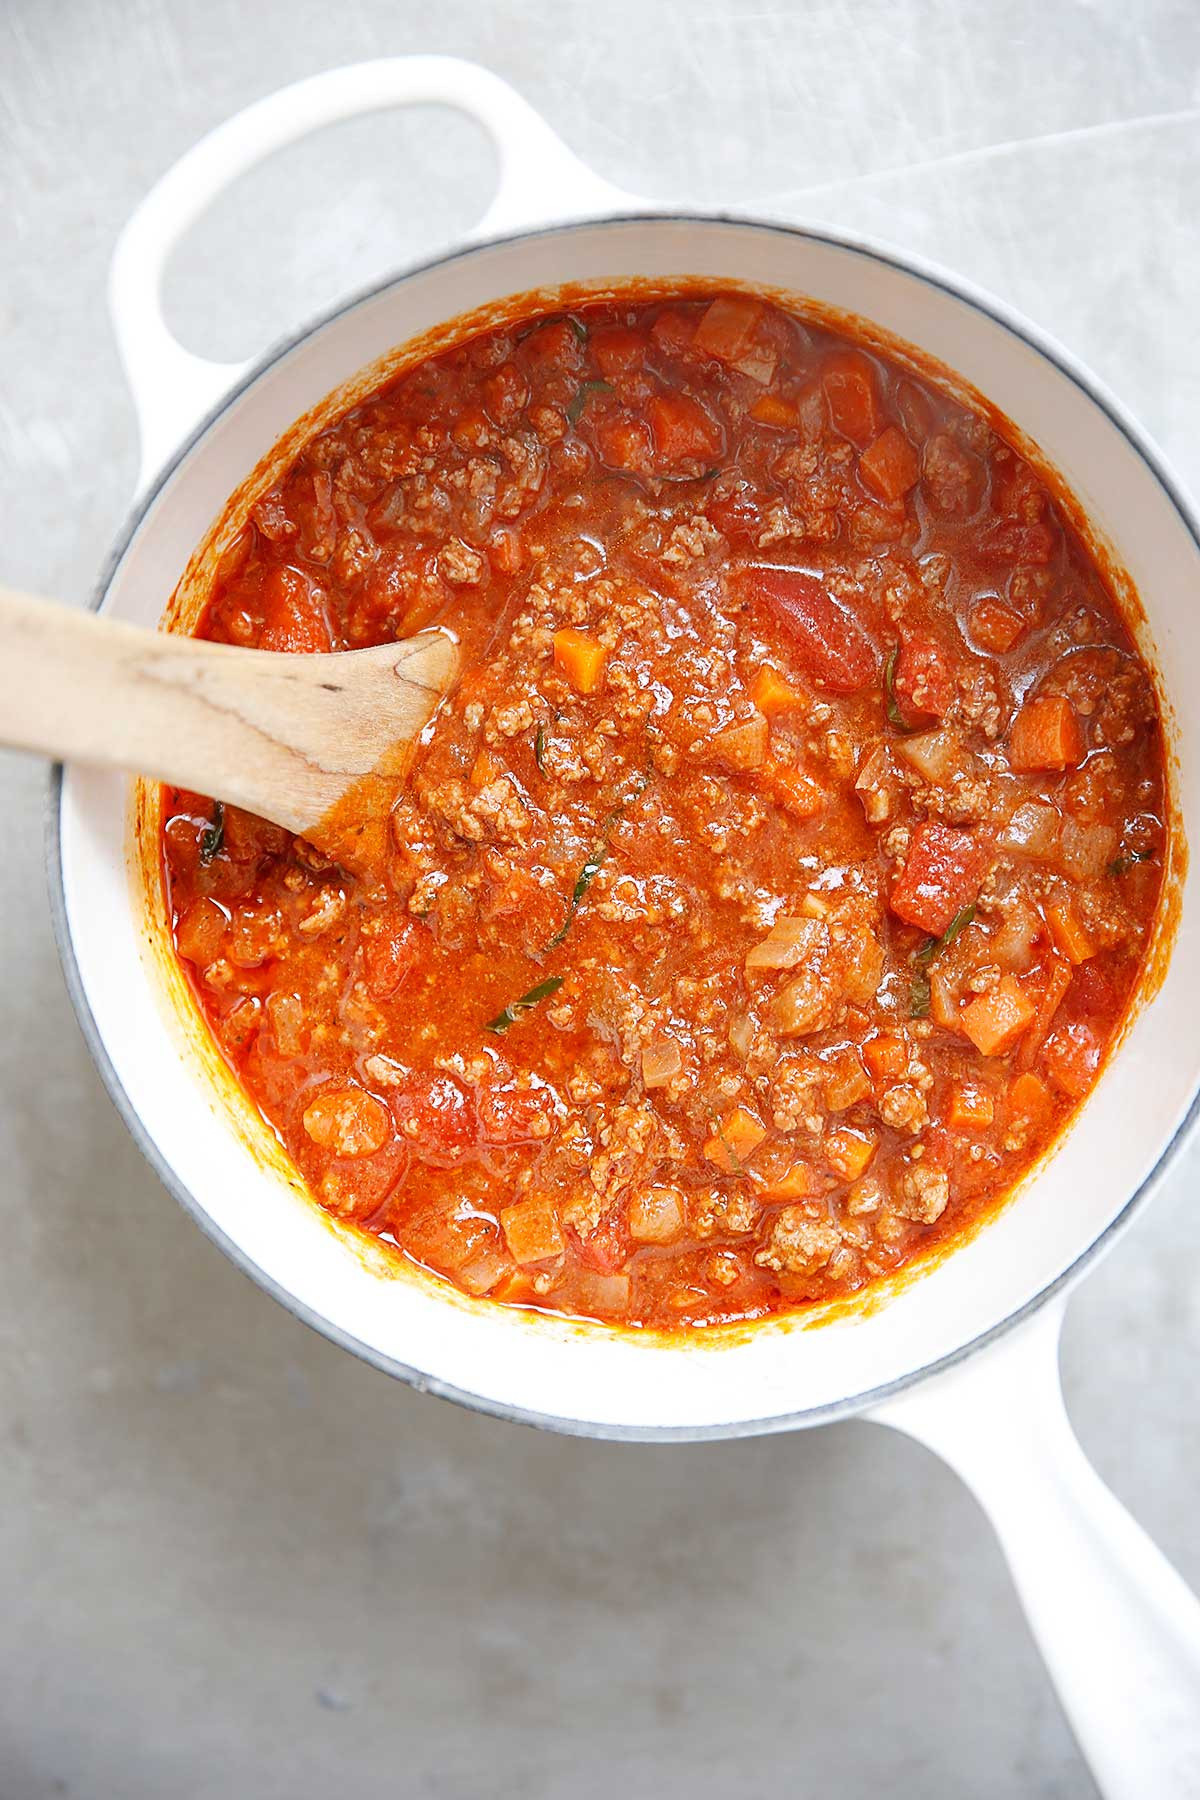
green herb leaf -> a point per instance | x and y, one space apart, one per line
739 1167
596 860
935 946
920 996
513 1011
539 748
895 716
1121 865
212 838
578 327
587 388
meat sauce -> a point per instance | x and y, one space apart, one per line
768 892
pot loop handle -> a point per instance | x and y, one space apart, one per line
540 182
1118 1627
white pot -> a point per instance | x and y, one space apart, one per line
949 1357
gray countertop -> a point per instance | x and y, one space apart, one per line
236 1563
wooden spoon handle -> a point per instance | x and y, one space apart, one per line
283 735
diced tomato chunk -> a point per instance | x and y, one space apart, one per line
1045 735
683 430
923 679
726 329
389 951
1071 1058
672 330
828 639
554 345
436 1119
293 613
510 1115
944 873
619 351
625 443
849 383
995 626
889 467
1017 542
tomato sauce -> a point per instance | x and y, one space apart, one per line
770 889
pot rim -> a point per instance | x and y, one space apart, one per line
831 1412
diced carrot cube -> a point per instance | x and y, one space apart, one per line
625 443
619 351
736 1138
683 430
771 693
1029 1098
1069 932
944 873
485 768
773 409
996 627
581 659
996 1019
889 466
970 1108
885 1054
531 1230
727 327
294 617
795 790
849 383
1045 735
847 1152
798 1182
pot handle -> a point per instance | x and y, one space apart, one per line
540 181
1118 1627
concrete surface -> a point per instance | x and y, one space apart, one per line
236 1564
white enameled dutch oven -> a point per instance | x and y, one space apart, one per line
964 1357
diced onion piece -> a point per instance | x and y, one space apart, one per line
935 755
606 1296
869 784
863 969
846 1081
1011 944
662 1059
1085 851
487 1267
531 1230
655 1215
743 745
790 941
996 1019
741 1034
1033 829
889 467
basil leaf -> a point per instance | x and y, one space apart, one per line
892 704
539 748
212 838
578 327
513 1011
575 409
1121 865
920 996
596 860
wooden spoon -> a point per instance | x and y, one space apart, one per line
319 744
